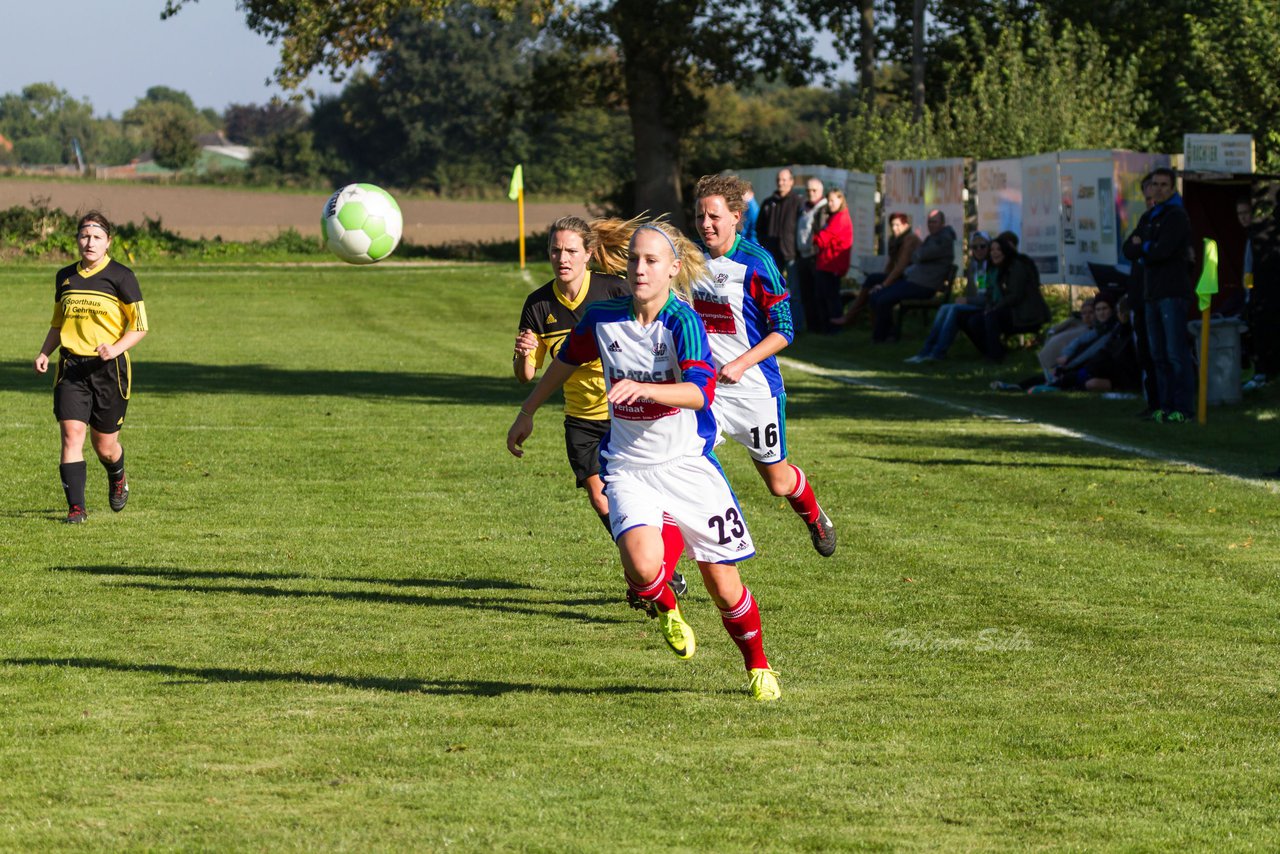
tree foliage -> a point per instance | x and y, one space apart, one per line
41 121
1032 90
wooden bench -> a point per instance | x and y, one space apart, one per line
926 307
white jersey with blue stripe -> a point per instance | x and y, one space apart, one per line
742 302
672 349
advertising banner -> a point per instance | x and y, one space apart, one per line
1042 215
915 187
1217 152
1088 213
999 196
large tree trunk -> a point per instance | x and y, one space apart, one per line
658 101
657 143
867 51
917 59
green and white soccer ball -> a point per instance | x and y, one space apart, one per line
362 223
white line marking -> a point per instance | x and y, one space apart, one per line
848 378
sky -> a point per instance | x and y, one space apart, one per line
111 51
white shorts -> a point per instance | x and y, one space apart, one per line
759 424
694 492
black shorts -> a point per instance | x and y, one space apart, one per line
93 391
582 443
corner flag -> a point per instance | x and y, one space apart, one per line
1208 284
517 183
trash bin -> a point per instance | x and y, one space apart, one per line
1224 357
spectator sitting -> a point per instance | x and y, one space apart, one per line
925 278
1062 334
1102 359
813 218
833 243
902 245
1021 307
980 281
1059 337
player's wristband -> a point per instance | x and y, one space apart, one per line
525 413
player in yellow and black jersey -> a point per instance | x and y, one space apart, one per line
549 315
98 314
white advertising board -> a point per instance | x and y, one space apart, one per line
1042 215
999 196
1088 205
1217 152
915 187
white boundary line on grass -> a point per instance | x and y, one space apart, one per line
995 415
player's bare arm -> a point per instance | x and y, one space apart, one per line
555 376
770 345
107 352
50 342
682 395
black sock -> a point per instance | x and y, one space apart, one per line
115 471
73 476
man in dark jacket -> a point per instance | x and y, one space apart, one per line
777 223
928 275
1160 248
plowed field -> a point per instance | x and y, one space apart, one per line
248 215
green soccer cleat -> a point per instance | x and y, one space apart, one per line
677 633
764 685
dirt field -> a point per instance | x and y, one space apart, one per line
246 215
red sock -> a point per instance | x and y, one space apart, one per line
802 500
672 545
742 622
658 592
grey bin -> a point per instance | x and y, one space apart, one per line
1224 357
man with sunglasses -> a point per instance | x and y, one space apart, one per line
978 284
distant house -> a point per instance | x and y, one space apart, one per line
219 155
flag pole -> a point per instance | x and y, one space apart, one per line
520 205
1202 408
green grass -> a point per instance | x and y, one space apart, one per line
337 615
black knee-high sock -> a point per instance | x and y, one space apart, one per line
73 476
115 471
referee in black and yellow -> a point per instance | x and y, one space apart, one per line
97 316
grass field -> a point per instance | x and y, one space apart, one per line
337 615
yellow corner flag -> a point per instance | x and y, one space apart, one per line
1208 284
517 183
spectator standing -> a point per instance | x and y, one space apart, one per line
833 244
1138 316
903 242
812 219
750 215
777 223
1262 299
1162 250
928 275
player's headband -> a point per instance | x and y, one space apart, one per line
674 251
97 225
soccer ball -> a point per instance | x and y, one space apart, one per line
362 223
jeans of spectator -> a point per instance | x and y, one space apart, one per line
1171 350
826 298
946 326
883 301
1142 346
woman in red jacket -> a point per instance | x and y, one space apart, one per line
833 243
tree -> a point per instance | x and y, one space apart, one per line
174 140
250 124
41 122
663 48
1234 41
